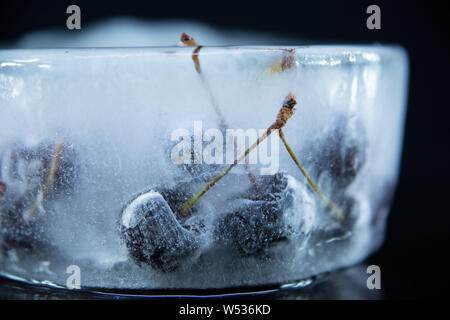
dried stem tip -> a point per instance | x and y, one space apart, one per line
2 188
285 113
287 62
187 40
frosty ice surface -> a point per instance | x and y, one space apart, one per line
114 111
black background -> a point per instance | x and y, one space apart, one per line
414 258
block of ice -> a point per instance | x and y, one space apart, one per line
83 131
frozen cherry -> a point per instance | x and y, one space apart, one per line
201 172
26 168
251 228
25 171
15 233
271 188
177 196
151 232
340 151
258 221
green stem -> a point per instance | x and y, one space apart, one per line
337 211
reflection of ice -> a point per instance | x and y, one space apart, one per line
44 267
118 108
347 284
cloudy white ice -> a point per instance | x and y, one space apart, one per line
115 109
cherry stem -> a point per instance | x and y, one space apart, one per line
190 42
286 111
337 211
49 181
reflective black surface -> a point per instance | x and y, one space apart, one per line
345 284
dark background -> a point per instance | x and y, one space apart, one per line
414 258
